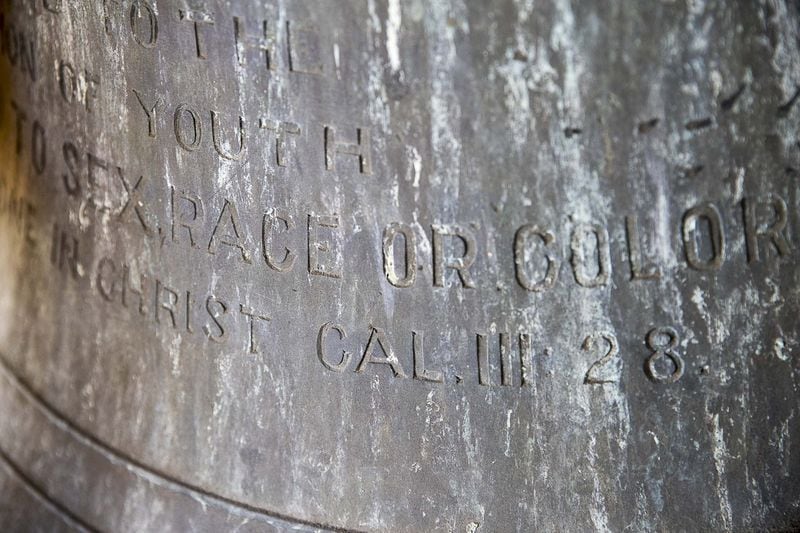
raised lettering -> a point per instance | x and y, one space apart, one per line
281 129
216 135
169 306
71 179
409 253
148 40
377 339
708 213
522 253
321 340
197 18
361 149
181 219
303 48
252 317
215 315
150 112
266 43
317 246
441 261
420 372
602 254
196 128
228 217
774 232
267 235
106 278
638 271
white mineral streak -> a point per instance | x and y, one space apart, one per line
445 110
379 119
603 408
597 512
780 439
175 355
337 60
377 100
527 74
415 169
443 21
507 451
716 326
393 34
720 453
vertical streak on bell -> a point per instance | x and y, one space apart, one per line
483 360
505 361
524 358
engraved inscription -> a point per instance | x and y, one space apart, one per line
78 86
598 372
523 244
524 358
361 149
442 261
693 219
663 341
390 236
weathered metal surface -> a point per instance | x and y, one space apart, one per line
399 265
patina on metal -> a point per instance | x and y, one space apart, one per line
399 265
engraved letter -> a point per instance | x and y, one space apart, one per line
169 305
281 129
461 264
72 179
20 118
315 246
137 6
215 316
525 358
521 247
221 150
753 230
378 339
100 181
135 198
483 359
360 148
265 43
251 318
127 286
228 216
579 260
179 220
267 235
67 81
38 148
90 91
105 280
410 254
638 271
323 334
304 50
150 112
196 129
690 228
420 372
197 17
66 252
